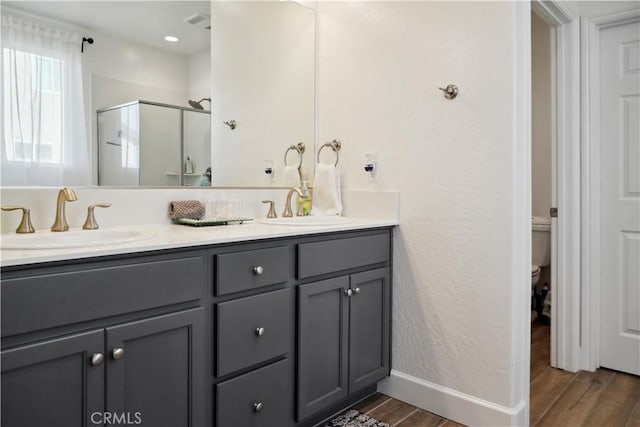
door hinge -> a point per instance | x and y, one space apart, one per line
553 212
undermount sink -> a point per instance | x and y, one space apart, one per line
316 221
72 239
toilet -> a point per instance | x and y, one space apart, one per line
540 246
540 257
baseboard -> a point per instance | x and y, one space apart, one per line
452 404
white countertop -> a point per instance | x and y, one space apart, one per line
168 236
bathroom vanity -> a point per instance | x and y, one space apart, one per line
281 330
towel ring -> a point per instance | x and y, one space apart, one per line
299 148
335 145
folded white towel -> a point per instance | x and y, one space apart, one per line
327 199
291 177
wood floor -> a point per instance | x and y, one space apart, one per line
558 398
397 413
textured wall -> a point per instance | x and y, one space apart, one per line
379 68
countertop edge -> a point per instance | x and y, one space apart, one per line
170 236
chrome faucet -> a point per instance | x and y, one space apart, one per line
64 195
287 204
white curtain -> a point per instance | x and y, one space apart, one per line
44 135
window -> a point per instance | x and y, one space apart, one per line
33 107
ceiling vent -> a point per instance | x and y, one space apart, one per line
194 19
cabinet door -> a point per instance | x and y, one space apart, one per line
155 370
369 328
322 344
53 383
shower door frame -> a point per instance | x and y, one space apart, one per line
157 104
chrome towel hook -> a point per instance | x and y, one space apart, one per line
450 92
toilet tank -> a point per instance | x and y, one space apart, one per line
540 241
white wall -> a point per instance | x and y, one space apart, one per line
379 68
541 116
124 60
199 76
263 67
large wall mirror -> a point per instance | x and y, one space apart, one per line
229 103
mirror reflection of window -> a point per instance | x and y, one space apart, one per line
28 76
44 139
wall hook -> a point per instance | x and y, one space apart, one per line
231 123
450 92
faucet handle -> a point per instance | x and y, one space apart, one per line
272 211
25 224
90 223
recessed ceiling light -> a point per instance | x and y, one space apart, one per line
172 39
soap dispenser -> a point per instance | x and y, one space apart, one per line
306 198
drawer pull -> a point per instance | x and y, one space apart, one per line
258 406
259 332
348 292
97 359
356 291
258 270
117 353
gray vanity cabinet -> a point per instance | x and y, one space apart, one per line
282 332
369 310
343 337
155 368
154 375
53 383
323 336
85 342
260 398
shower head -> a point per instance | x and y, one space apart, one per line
198 104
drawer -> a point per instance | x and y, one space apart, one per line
239 341
262 398
63 296
341 254
240 271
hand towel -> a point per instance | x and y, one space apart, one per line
327 199
290 177
193 209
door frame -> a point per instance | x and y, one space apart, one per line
565 260
590 256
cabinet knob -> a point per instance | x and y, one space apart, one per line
117 353
257 406
348 292
258 270
97 358
259 332
356 291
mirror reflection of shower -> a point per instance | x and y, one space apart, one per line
198 104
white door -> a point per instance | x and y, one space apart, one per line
620 197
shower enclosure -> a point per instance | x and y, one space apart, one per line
143 143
